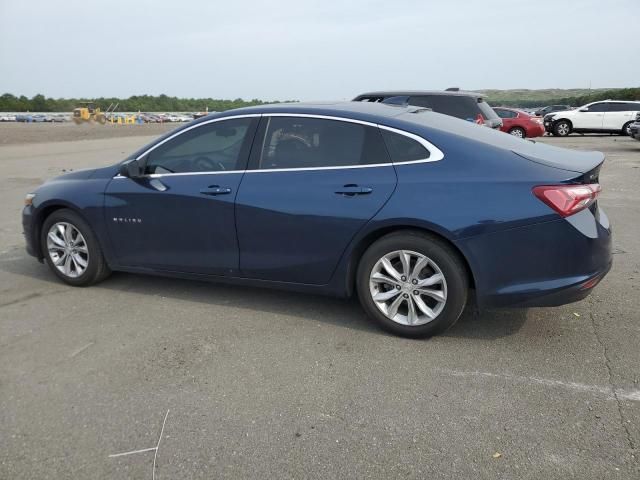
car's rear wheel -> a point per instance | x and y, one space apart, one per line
517 132
71 250
562 128
413 284
626 129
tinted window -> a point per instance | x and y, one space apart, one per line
623 107
296 142
505 113
402 148
459 106
208 148
598 107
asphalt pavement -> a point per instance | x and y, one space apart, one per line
253 383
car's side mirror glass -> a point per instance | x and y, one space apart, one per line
131 169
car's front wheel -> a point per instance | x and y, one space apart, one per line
413 284
71 250
562 128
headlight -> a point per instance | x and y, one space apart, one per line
28 200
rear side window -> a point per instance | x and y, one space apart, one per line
300 142
402 148
623 107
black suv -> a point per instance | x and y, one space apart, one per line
460 104
541 112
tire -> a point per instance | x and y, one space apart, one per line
562 128
73 251
518 132
625 132
440 259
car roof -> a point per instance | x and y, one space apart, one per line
410 93
356 110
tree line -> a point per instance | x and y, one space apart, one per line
135 103
164 103
575 101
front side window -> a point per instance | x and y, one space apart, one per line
505 113
211 147
299 142
598 107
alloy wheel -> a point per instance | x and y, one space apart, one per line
516 132
563 129
67 249
408 287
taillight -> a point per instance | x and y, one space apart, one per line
535 119
567 199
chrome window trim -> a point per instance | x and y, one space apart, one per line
213 120
435 154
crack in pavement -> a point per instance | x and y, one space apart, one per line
607 363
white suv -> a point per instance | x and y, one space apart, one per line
608 116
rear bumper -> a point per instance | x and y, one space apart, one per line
635 130
547 264
535 130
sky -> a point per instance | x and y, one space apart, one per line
313 49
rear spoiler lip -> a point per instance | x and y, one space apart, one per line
589 161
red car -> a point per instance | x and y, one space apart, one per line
519 123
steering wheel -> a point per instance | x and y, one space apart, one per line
205 164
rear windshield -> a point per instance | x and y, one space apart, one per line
459 106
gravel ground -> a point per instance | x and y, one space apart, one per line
13 133
263 384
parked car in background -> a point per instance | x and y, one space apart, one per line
469 106
634 128
412 210
40 118
541 112
7 118
607 116
519 124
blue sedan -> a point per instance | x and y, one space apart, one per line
413 211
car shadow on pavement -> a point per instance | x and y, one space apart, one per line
345 313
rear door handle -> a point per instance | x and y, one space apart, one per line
215 190
351 190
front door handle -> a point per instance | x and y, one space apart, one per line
215 190
351 190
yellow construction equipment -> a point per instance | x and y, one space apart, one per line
88 112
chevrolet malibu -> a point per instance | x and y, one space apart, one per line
413 211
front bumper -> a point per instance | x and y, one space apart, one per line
635 130
30 232
548 126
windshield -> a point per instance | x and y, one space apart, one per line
487 111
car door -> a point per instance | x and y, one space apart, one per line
312 184
179 215
590 117
617 115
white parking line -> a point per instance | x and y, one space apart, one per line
610 393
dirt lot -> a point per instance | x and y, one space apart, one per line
12 133
263 384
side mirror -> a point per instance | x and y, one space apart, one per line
130 169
